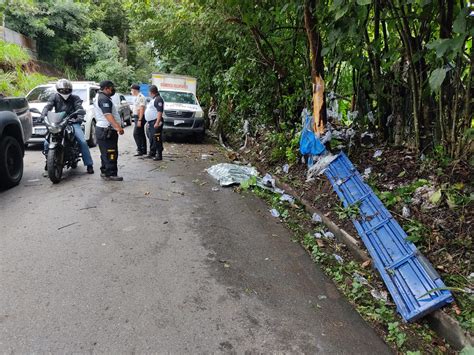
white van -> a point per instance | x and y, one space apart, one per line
182 114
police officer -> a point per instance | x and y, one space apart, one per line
108 129
65 101
154 119
138 113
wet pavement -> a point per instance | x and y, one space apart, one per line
160 263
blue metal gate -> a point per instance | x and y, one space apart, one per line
415 286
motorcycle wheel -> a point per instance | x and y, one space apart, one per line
55 165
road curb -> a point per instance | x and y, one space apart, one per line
439 321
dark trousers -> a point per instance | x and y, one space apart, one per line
107 139
139 136
155 135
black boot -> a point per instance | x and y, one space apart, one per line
158 156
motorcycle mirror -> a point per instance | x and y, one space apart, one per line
35 110
81 112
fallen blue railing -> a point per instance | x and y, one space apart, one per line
414 285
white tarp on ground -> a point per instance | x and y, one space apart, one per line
231 174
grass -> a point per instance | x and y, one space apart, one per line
14 80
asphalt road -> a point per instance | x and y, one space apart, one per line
160 263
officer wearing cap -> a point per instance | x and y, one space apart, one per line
154 119
108 129
138 114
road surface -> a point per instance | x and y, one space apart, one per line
160 263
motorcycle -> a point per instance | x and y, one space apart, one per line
63 148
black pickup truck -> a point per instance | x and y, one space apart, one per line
16 127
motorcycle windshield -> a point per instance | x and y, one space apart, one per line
56 117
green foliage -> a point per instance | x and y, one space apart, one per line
416 231
12 55
350 212
15 81
401 194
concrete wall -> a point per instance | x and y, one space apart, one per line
14 37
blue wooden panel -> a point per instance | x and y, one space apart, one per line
406 273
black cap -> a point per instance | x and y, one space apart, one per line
106 84
135 87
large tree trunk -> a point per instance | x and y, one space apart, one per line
317 66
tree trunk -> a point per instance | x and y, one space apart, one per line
317 66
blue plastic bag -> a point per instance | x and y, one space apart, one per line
309 143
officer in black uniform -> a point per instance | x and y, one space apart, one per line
154 119
108 129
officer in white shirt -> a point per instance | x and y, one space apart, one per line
138 113
108 129
154 119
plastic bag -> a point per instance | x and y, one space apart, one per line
309 144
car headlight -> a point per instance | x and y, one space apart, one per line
199 114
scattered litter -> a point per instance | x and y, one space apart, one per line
165 222
266 259
328 235
147 193
215 189
379 295
226 265
378 153
318 235
285 168
366 263
268 181
231 174
287 198
338 258
339 182
406 212
322 297
67 225
367 173
278 191
275 213
205 156
87 208
316 218
360 279
320 166
33 180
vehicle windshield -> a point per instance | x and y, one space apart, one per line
178 97
42 94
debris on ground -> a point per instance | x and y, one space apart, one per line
328 235
378 153
338 258
406 213
215 189
275 213
316 218
285 168
320 166
367 173
288 198
360 279
379 295
231 174
268 181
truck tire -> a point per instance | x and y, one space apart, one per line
92 141
11 162
55 165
